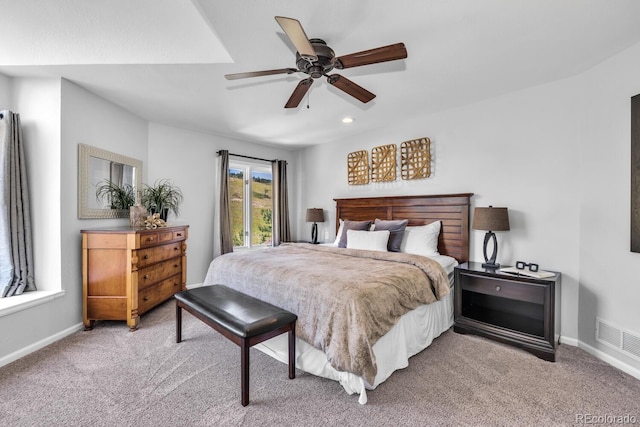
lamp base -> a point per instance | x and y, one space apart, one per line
490 266
490 262
314 234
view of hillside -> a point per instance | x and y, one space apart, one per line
261 224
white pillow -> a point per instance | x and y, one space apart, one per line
421 240
339 233
368 240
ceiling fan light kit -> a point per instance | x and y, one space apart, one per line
316 59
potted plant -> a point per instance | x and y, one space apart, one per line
116 196
162 197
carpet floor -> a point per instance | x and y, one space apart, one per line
112 377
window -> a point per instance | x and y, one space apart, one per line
250 194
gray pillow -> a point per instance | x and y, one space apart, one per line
352 225
396 230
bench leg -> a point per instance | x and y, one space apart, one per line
244 371
178 323
292 352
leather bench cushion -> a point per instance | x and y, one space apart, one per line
236 312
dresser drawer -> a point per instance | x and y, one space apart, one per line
154 295
157 272
159 253
503 288
180 234
149 239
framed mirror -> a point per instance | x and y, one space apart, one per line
107 183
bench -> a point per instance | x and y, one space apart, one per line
243 319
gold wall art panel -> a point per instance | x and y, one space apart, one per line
415 159
383 163
358 167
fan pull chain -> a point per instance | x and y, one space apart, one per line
308 95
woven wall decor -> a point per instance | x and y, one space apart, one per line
358 167
383 163
415 159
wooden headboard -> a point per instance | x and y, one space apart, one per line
451 209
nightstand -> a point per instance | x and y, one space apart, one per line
513 309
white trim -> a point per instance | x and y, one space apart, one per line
569 341
634 372
9 305
39 345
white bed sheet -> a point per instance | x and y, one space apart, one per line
413 333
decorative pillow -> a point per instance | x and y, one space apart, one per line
352 225
368 240
421 240
396 231
339 233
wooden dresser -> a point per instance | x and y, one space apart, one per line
127 271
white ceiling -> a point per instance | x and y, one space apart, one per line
165 60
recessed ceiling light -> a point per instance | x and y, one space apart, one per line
348 120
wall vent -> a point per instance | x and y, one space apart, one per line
622 340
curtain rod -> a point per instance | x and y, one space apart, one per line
248 157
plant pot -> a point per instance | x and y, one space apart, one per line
164 213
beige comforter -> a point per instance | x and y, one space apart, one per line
345 299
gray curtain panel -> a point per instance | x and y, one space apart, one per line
16 247
281 228
226 243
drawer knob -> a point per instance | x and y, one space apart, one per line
176 248
498 288
146 276
175 284
175 265
145 298
179 234
146 256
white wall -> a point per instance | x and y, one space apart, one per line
56 115
513 151
38 103
609 285
189 159
557 156
5 93
89 119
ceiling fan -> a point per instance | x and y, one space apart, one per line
316 59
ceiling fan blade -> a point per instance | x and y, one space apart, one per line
293 29
346 85
237 76
298 93
373 56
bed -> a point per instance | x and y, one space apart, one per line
362 313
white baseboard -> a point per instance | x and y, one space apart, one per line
40 344
569 341
195 285
624 367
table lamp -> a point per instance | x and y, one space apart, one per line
315 215
490 219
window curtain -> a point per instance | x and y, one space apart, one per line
16 249
281 230
226 243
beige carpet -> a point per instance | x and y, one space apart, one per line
112 377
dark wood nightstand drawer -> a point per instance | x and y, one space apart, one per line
503 288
